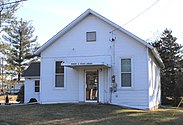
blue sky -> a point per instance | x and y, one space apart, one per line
50 16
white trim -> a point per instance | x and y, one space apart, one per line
59 101
62 32
63 58
36 86
41 80
143 107
91 40
65 72
148 77
77 65
132 73
85 85
32 77
117 27
80 18
91 101
157 57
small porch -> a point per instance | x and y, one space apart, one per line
93 81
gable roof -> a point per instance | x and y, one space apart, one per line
83 16
33 70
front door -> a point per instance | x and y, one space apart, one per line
92 85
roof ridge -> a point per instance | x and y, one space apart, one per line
83 16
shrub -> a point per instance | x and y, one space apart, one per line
20 97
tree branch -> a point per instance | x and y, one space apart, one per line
12 2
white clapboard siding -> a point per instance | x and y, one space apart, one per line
154 82
72 47
29 86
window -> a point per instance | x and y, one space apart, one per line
37 85
59 74
90 36
126 73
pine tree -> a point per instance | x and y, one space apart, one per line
6 15
171 53
23 44
7 10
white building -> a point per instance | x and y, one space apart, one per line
95 60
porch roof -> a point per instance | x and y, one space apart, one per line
84 65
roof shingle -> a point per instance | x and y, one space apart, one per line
32 70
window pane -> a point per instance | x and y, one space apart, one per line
59 81
36 89
126 65
91 36
37 83
59 68
126 79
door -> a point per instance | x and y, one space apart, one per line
92 85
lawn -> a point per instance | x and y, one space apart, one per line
80 114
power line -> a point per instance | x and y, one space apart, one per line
141 13
137 15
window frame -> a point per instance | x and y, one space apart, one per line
91 40
36 86
61 74
126 87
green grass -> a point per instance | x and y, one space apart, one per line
79 114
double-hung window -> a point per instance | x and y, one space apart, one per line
37 86
59 74
126 74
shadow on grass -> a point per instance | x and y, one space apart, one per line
80 114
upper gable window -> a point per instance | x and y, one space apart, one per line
90 36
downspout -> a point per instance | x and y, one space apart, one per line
113 87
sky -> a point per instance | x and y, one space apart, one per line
50 16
